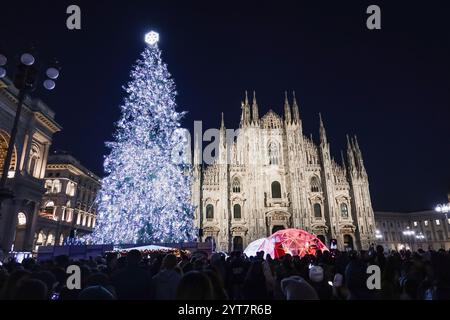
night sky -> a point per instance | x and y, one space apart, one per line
391 87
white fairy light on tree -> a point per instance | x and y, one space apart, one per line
145 196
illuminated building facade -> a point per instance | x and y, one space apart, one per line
18 216
68 206
274 177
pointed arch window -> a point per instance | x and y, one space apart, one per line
236 185
274 153
315 184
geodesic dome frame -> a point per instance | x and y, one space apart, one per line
296 242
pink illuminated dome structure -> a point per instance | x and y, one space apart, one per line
296 242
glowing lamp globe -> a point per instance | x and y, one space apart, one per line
152 37
52 73
49 84
27 59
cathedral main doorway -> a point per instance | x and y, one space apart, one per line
238 244
348 242
276 221
277 228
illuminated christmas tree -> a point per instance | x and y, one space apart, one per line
145 196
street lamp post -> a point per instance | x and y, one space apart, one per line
24 80
378 235
443 208
420 237
409 234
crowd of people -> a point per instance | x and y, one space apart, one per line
405 275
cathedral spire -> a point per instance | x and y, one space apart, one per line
247 109
287 109
358 155
323 133
242 114
222 132
295 109
350 155
245 116
222 123
197 149
255 113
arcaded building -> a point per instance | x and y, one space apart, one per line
68 206
18 215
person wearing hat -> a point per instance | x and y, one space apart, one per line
318 282
297 288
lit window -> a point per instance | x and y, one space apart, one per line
425 223
274 154
56 188
50 239
344 210
448 220
48 185
438 222
70 189
415 223
21 219
315 184
34 159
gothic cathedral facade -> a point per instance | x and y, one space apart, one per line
271 176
